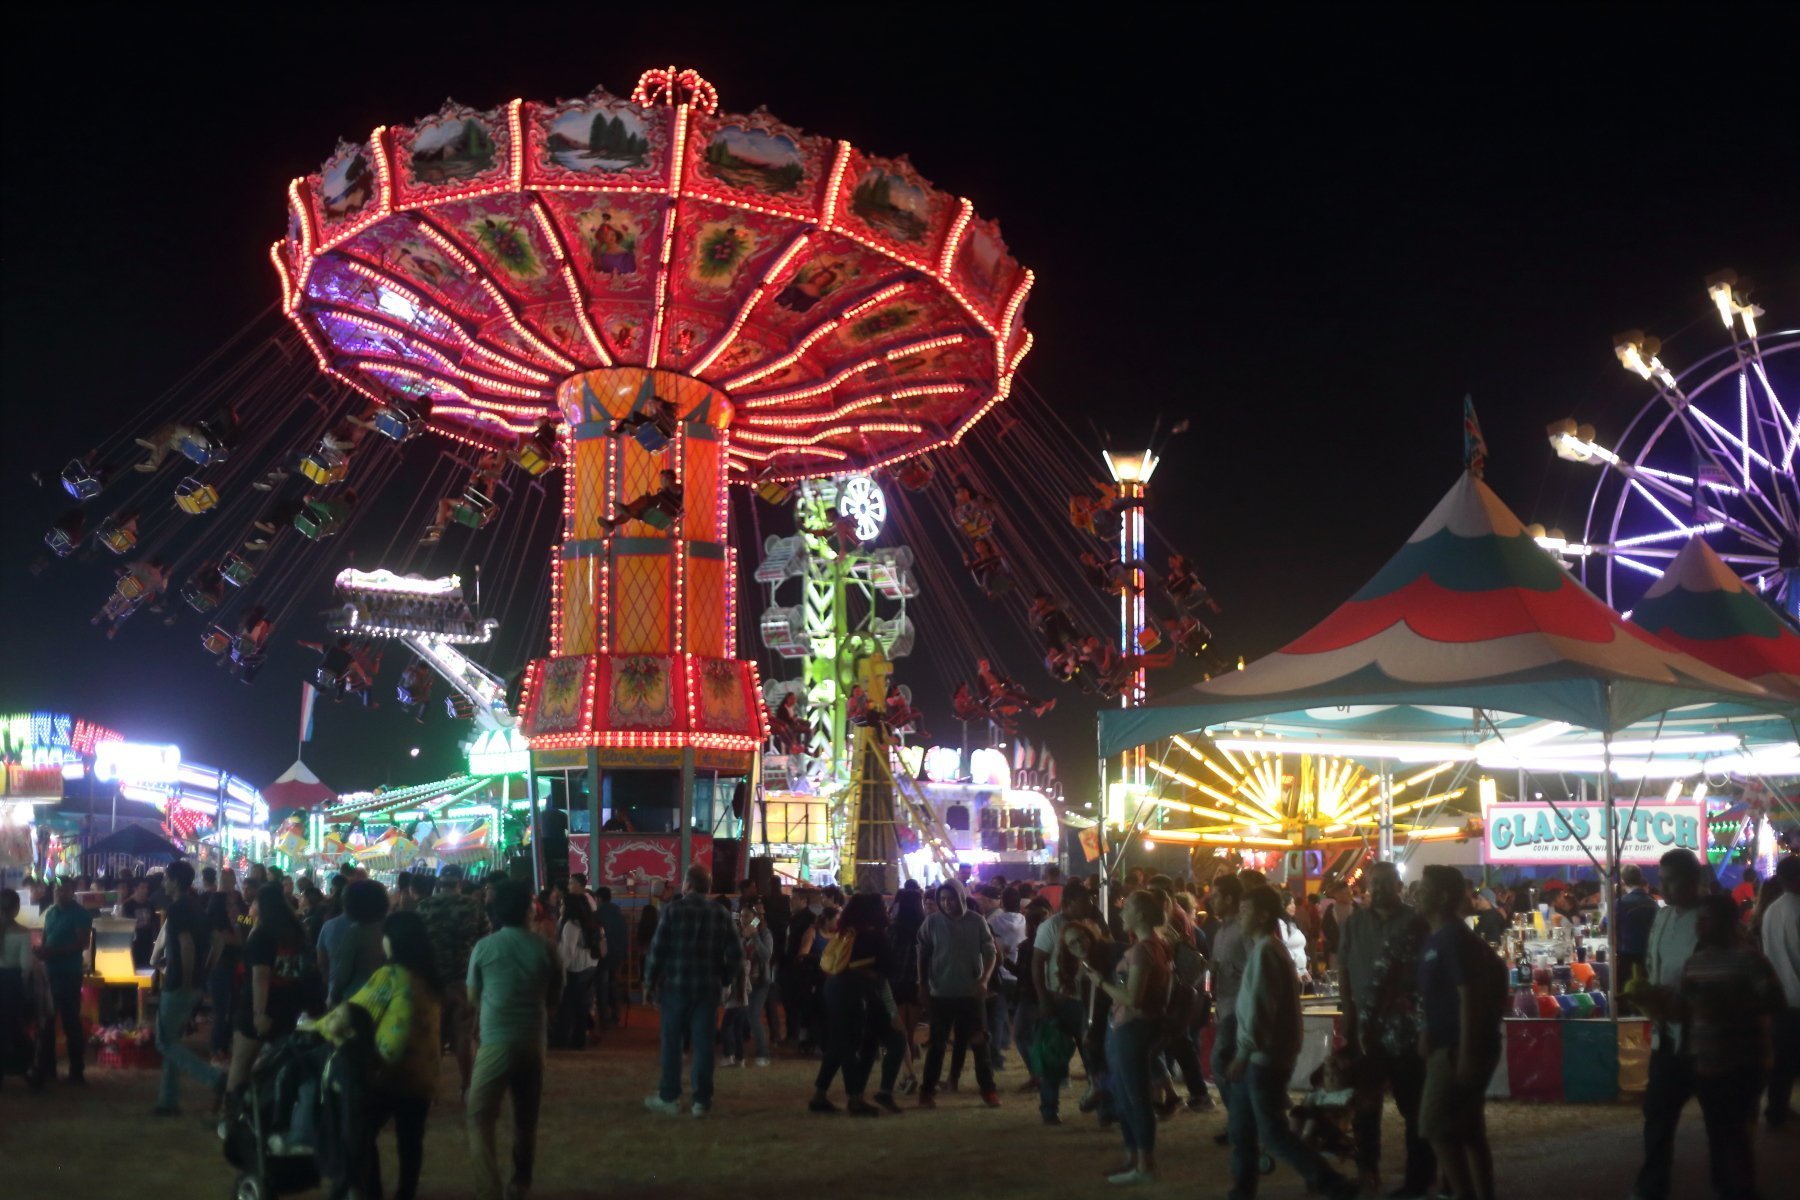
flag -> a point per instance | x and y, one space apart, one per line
1090 842
1474 445
308 695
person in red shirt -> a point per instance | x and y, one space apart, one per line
1744 894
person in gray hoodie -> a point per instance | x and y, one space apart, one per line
1267 1046
956 961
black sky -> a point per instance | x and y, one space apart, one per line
1310 232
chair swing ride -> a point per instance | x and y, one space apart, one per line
660 299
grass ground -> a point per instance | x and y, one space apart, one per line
597 1140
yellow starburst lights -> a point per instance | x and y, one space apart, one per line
1285 797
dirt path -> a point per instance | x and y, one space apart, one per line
597 1140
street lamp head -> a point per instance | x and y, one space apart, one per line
1131 468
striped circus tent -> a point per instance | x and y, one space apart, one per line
1470 614
1701 607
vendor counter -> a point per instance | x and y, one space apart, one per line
1572 1061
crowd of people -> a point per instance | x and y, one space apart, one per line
1124 981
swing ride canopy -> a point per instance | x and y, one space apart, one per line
472 262
1470 615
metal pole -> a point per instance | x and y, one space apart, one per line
1385 825
687 817
595 783
1100 837
537 828
1611 890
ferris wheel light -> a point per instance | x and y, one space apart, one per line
1575 442
1638 354
1732 298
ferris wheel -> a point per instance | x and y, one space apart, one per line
1710 453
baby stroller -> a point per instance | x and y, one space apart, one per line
1325 1119
301 1081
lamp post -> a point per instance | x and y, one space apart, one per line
1131 473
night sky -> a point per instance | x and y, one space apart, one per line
1310 236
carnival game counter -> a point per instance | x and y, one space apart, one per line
1575 1060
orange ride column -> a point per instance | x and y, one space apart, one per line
641 672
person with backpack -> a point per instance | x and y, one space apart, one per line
1188 1013
856 962
582 944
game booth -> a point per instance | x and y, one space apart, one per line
1546 685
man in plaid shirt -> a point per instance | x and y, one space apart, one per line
694 954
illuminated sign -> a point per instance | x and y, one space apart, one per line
137 763
1536 833
499 752
943 764
990 767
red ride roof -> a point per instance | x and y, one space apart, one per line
854 313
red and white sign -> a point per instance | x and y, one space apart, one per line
641 856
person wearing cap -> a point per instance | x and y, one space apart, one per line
1490 925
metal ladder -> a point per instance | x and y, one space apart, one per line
867 806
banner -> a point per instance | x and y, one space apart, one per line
1535 833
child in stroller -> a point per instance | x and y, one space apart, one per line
300 1125
1323 1120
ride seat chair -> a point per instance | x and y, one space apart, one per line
774 493
459 707
534 457
650 438
80 481
130 588
325 467
60 541
216 640
199 448
120 539
237 570
657 518
475 509
398 421
200 599
320 518
194 497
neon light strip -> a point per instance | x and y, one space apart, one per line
444 242
750 302
958 227
515 128
289 297
786 360
771 399
834 184
457 324
577 300
367 320
837 431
